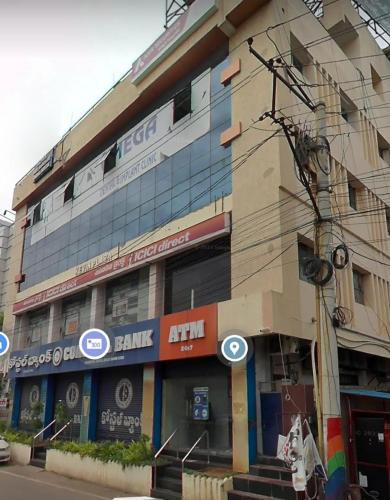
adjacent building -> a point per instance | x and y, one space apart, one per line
168 217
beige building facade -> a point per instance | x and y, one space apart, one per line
171 202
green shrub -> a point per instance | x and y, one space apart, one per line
17 437
134 453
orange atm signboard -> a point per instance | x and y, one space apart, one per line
189 334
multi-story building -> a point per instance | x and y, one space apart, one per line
168 217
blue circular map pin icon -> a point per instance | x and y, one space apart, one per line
234 348
94 343
4 344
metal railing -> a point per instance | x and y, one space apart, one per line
61 430
39 434
204 433
158 454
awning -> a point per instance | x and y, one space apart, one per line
366 393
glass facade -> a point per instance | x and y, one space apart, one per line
190 179
127 299
198 277
76 313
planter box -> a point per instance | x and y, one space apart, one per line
20 453
196 486
133 479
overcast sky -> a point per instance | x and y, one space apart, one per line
58 57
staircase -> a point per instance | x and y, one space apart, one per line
168 477
265 480
168 481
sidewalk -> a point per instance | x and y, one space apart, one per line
20 482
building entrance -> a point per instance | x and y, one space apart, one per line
197 398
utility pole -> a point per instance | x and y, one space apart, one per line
328 395
328 373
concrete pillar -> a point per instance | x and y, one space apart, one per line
156 290
21 332
240 418
148 401
47 398
16 400
98 298
89 407
151 421
55 319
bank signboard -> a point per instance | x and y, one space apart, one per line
130 344
189 334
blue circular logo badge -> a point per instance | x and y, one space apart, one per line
234 348
4 343
94 343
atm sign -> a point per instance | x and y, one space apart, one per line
189 334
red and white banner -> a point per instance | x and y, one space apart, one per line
209 229
181 29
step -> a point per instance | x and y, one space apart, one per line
170 471
264 486
165 494
38 462
40 454
269 460
169 483
273 471
243 495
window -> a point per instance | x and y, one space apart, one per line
376 81
76 313
110 160
198 277
297 63
358 286
182 103
352 195
383 148
300 57
305 252
38 322
69 191
37 214
127 299
347 108
388 220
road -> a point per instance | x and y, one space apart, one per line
21 482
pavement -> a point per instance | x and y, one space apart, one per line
19 482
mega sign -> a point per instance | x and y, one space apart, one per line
131 344
219 224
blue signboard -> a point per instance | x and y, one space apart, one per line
130 344
200 407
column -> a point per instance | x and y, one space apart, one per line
252 421
148 401
151 404
53 332
16 400
156 290
47 398
98 306
89 407
240 418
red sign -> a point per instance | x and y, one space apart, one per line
203 231
189 334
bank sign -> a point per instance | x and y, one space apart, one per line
130 344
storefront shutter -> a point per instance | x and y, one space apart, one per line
31 392
69 389
120 404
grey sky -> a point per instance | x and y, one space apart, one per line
58 57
